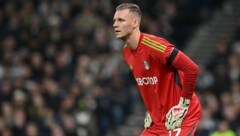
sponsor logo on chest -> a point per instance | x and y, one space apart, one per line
147 81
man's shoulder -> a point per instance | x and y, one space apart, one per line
154 38
155 43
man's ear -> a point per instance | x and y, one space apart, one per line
135 23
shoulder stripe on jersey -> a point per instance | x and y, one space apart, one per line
163 47
153 44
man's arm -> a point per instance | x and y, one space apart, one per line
182 62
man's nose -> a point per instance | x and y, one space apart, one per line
114 24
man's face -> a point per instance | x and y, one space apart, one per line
123 23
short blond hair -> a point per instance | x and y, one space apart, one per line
132 8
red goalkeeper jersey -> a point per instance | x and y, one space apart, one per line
159 73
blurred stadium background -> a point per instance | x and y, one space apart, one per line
62 72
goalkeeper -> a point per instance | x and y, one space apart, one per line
165 76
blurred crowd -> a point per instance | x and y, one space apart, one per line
219 89
62 72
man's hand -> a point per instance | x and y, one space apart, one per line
147 120
176 114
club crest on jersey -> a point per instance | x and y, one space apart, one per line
146 65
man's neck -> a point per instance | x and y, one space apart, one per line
133 40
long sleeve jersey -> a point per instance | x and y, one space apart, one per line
163 74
